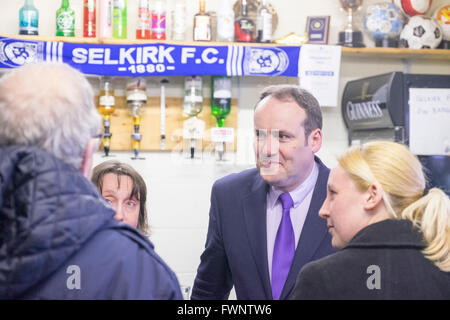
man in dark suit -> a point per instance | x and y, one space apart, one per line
264 225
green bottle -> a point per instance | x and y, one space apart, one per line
221 98
65 20
120 19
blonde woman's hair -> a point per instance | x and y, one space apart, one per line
401 176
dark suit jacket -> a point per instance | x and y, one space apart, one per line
394 247
236 244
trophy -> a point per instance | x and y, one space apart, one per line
351 37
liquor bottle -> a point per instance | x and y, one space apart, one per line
105 18
225 22
29 19
264 23
120 19
136 99
221 98
65 20
89 17
106 109
244 26
179 21
143 28
159 21
202 24
193 97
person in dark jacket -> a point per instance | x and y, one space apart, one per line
58 237
394 237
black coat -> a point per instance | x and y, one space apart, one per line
382 261
59 240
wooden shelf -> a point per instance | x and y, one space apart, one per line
397 53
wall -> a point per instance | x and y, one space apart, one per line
178 199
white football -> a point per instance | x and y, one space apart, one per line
421 33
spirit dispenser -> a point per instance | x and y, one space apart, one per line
193 128
220 109
136 98
106 109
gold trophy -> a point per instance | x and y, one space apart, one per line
351 36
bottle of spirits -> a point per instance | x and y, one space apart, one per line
105 18
225 22
202 24
193 97
65 20
143 28
106 109
264 23
221 98
89 19
120 19
136 98
244 26
179 21
29 19
159 21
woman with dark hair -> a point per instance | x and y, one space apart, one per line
124 188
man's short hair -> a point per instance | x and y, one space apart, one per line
303 98
50 106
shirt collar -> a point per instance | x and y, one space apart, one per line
299 193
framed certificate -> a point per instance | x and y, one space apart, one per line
317 29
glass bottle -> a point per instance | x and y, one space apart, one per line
136 98
221 98
179 21
193 97
143 28
105 18
264 23
106 109
159 21
202 24
244 26
29 19
65 20
89 19
120 19
225 22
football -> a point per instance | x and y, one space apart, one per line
383 20
413 7
442 16
421 33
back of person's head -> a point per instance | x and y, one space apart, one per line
139 189
403 181
302 97
50 106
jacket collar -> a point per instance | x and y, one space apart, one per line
388 233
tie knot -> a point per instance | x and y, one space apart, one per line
286 201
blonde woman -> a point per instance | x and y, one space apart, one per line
394 236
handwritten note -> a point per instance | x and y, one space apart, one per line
429 121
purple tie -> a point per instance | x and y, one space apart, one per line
283 251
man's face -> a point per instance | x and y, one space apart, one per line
283 156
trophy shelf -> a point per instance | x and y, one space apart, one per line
399 53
